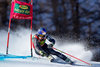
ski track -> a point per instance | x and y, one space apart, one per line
17 41
41 63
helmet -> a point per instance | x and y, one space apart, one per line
42 31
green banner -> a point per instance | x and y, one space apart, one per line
22 9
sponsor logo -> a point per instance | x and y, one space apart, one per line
23 7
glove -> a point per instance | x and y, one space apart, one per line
42 53
50 45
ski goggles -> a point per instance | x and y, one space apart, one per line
42 35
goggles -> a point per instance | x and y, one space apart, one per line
41 35
43 32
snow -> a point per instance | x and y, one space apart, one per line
41 63
20 45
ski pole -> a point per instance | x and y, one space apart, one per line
72 56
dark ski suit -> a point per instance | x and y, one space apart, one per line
40 45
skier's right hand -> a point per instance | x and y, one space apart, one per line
42 53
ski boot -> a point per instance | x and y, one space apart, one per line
51 58
69 61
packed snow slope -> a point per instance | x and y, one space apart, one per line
19 44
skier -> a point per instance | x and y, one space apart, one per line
43 49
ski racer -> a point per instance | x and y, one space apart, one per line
44 49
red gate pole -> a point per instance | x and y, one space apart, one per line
9 32
31 32
31 39
31 2
8 36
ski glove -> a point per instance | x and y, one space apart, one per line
42 53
